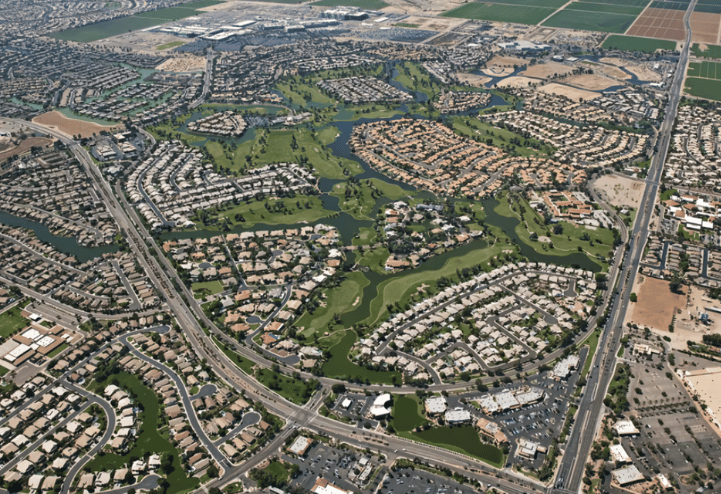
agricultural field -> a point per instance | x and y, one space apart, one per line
711 51
703 88
597 21
113 27
705 70
501 12
658 4
634 43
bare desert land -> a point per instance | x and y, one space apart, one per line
187 63
656 304
24 146
71 126
545 70
620 191
569 92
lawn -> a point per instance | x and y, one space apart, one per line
604 22
205 288
592 342
172 44
339 367
500 13
243 363
11 321
703 88
294 390
634 43
406 413
361 4
463 440
359 198
340 298
712 51
149 438
57 351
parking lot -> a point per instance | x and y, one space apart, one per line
415 481
334 464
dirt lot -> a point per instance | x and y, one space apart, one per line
434 24
24 146
620 191
187 63
517 82
656 304
642 72
572 93
687 324
707 386
544 70
592 82
71 126
473 79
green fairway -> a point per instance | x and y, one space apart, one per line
149 438
598 242
416 79
11 321
340 298
294 390
463 440
603 22
205 288
359 198
633 43
361 4
406 413
500 13
502 138
375 259
339 367
399 289
711 51
267 211
704 88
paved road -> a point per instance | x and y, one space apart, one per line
184 396
570 472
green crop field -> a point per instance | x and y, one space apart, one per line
361 4
704 88
113 27
500 13
631 3
705 70
406 415
603 22
339 367
463 440
669 5
605 8
712 51
633 43
106 29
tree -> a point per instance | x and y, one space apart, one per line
166 464
212 471
633 297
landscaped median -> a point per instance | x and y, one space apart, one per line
292 388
